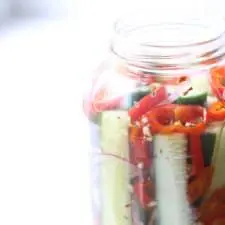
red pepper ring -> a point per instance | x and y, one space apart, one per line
216 111
218 82
174 118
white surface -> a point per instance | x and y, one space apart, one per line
43 158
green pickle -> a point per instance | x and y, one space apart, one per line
114 173
134 97
208 144
193 98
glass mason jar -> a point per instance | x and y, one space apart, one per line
156 109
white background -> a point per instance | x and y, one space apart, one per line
47 50
43 158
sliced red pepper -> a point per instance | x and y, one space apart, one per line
144 191
213 208
172 118
218 82
219 221
216 111
139 148
195 148
139 153
104 101
100 103
106 96
219 195
199 186
215 211
158 95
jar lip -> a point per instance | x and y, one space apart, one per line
201 26
181 44
184 45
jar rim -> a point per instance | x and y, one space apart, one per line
168 26
182 43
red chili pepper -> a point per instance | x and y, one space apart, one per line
139 148
218 82
145 193
139 153
213 208
100 103
201 183
219 221
216 111
106 96
105 101
218 195
158 95
195 148
172 118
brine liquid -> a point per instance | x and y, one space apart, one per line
159 177
154 182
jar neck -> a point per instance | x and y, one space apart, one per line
203 48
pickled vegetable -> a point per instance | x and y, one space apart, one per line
114 172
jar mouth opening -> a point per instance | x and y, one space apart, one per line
177 28
176 42
168 35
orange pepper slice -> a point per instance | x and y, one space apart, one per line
216 111
174 118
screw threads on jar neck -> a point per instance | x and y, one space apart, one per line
170 46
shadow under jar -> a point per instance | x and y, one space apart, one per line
156 108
